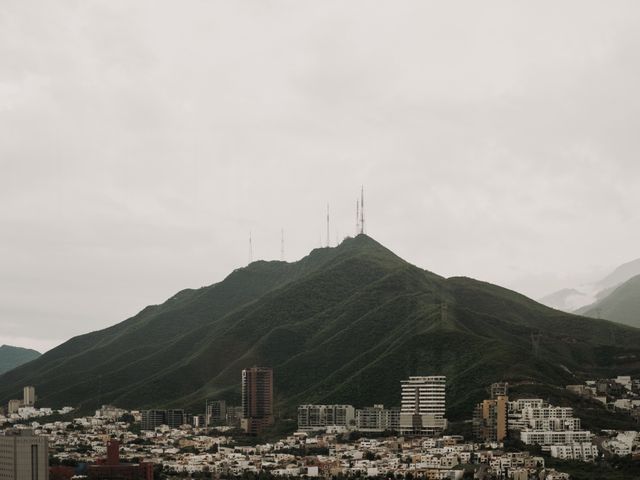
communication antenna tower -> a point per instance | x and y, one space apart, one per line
250 248
362 210
357 216
328 233
282 244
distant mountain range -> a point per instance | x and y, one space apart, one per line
620 304
12 357
583 297
343 325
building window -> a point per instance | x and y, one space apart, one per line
34 463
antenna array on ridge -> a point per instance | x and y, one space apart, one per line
328 233
282 244
362 210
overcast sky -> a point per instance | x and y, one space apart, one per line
140 142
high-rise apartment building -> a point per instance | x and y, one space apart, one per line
152 419
23 456
257 399
377 419
29 396
490 419
423 406
216 413
175 418
319 417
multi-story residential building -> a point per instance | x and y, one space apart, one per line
377 419
423 406
550 437
216 412
175 418
152 419
257 399
14 406
490 419
23 456
585 452
543 424
29 396
319 417
234 415
110 412
549 418
514 420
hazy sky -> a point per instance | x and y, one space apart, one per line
141 141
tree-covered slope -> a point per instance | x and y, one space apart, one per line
342 325
621 305
12 357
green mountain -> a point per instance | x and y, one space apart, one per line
622 305
12 357
343 324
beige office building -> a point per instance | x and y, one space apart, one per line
23 456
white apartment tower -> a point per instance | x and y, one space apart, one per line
423 406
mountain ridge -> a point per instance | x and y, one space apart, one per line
12 357
343 324
580 299
621 305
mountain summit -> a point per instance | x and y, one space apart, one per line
342 325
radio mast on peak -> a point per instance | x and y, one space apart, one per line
362 210
282 244
328 233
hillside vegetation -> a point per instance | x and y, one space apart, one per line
343 324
